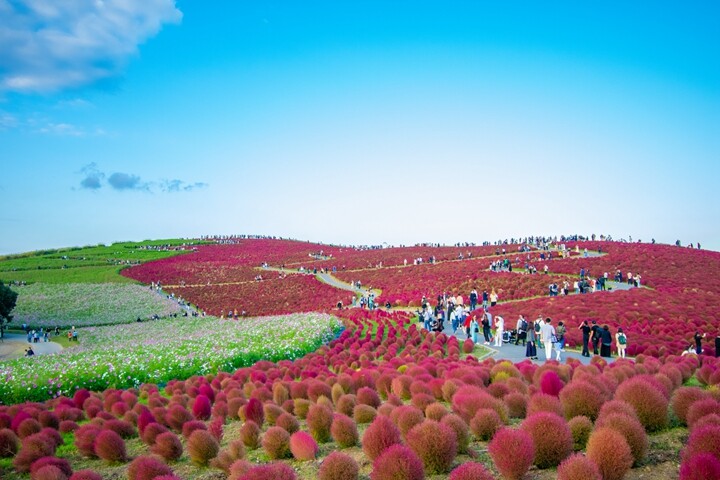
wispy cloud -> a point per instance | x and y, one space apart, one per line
62 129
95 179
50 45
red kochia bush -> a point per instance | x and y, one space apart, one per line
271 471
631 429
168 446
59 463
580 427
344 431
191 426
512 451
703 439
581 398
648 400
28 427
176 416
381 434
700 408
202 407
86 475
253 411
552 438
9 443
85 439
542 402
578 467
485 423
276 443
435 444
288 422
319 419
48 472
700 466
338 466
462 432
152 431
471 471
610 452
110 446
683 398
32 448
303 446
368 396
550 383
202 447
250 434
147 468
364 414
397 462
121 427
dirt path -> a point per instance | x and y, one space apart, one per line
15 344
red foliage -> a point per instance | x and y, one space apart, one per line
435 444
147 468
121 427
683 398
700 408
288 422
380 435
250 435
580 397
578 467
303 446
471 471
631 429
462 432
85 439
202 447
485 423
110 446
344 431
580 427
512 451
32 448
276 443
552 438
271 471
254 412
59 463
703 439
397 462
363 414
9 443
202 408
338 466
610 452
168 446
152 431
86 475
649 402
319 419
700 466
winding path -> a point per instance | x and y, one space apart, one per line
15 344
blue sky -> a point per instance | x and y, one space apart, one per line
363 122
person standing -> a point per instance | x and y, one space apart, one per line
585 329
717 345
522 328
547 335
473 299
474 329
485 299
531 348
493 298
698 342
486 324
560 335
499 329
621 342
606 341
596 335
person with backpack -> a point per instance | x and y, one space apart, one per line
522 328
560 334
621 342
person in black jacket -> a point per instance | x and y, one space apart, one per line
595 338
606 339
585 328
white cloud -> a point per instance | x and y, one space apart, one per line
50 45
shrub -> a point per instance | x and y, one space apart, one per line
542 402
338 466
253 411
512 451
364 414
683 398
176 417
406 417
700 466
516 403
319 419
168 446
53 435
301 407
580 428
110 447
147 468
648 400
191 426
469 399
9 443
617 406
435 444
471 471
86 475
552 438
700 408
435 411
202 407
610 452
458 425
581 398
381 434
485 423
121 427
272 411
67 426
578 467
397 462
32 448
303 446
85 439
60 463
202 447
550 383
368 396
48 472
704 439
346 403
276 443
344 431
28 427
631 429
250 435
152 431
271 471
49 419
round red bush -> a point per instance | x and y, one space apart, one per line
191 426
28 427
683 398
550 383
581 398
271 471
32 448
648 400
110 447
344 431
701 466
580 428
250 435
67 426
9 443
303 446
485 423
397 462
406 417
288 422
380 435
700 408
552 438
253 411
85 439
168 446
338 466
578 467
202 407
121 427
608 449
202 447
461 429
319 419
59 463
703 439
471 471
86 475
276 443
517 404
512 451
363 414
48 472
435 444
542 402
631 429
147 468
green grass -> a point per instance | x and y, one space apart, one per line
92 264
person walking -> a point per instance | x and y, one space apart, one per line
620 342
560 335
585 329
548 337
596 335
474 329
499 330
606 341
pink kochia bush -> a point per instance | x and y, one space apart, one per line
147 468
344 431
338 466
303 446
578 467
110 447
202 447
552 438
397 462
649 402
471 471
276 443
608 449
513 452
703 439
380 435
700 466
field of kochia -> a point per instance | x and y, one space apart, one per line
344 394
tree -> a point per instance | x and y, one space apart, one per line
8 298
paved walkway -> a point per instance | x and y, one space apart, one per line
15 344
